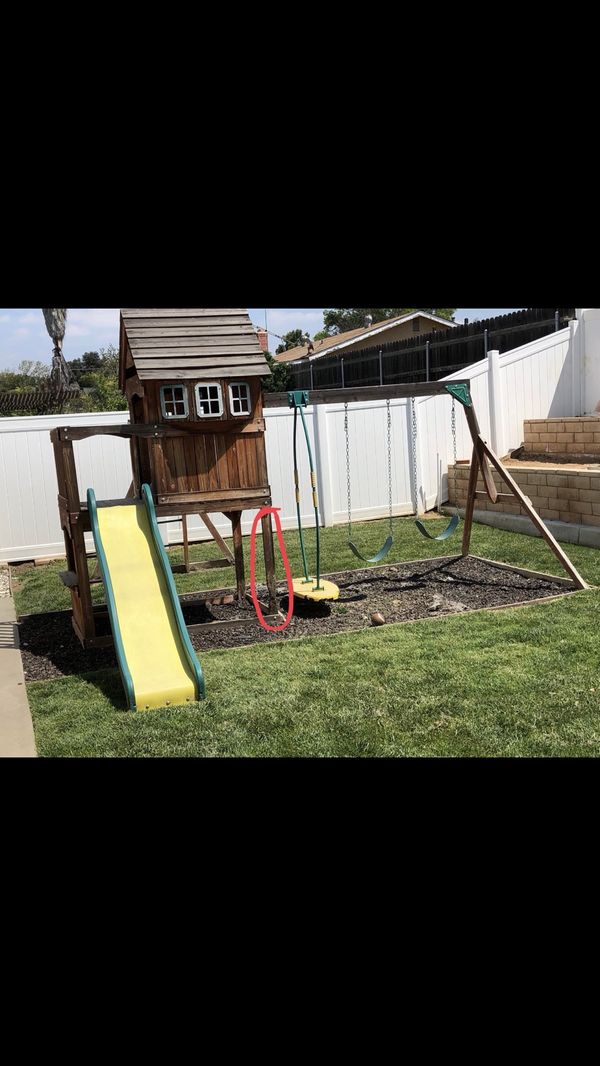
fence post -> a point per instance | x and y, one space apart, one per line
576 366
381 366
426 360
323 460
495 392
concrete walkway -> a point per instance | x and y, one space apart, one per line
16 727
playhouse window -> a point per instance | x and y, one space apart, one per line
239 398
174 401
209 400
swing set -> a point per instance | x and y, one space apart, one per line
384 551
483 459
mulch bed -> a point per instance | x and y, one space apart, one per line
429 589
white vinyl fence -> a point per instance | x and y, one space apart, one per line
538 380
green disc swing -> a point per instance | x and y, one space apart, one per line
308 588
453 523
381 554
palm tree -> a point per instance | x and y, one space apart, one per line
56 324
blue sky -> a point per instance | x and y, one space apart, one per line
23 333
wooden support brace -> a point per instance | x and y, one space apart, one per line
538 522
468 521
209 564
503 497
214 532
478 442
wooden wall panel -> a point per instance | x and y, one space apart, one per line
201 462
211 458
190 463
221 444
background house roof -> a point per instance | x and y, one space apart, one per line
191 342
340 340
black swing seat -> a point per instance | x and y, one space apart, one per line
381 554
442 536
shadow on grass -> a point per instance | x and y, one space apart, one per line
109 683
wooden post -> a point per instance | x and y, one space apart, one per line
538 522
470 505
238 551
83 613
267 532
134 448
62 489
495 393
186 544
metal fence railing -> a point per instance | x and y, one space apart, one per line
428 357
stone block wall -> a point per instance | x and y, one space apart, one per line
567 497
562 436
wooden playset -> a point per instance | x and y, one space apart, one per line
192 378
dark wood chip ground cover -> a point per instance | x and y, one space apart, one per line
404 592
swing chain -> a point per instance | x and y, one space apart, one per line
389 456
414 453
453 422
347 433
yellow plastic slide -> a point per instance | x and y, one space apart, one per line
156 658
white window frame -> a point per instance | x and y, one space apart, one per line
163 401
240 414
207 385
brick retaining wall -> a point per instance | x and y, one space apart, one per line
567 497
566 436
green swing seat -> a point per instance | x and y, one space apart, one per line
381 554
450 528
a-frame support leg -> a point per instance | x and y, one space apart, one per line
470 506
538 522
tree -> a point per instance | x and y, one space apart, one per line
322 336
81 368
340 319
294 339
56 324
280 379
109 358
36 372
28 377
97 374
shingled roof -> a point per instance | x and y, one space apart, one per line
173 343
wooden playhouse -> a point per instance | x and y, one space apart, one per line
192 378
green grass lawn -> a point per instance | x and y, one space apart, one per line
38 588
520 682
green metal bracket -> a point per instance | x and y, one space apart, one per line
462 394
298 399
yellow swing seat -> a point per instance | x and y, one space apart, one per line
308 591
